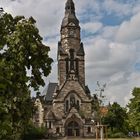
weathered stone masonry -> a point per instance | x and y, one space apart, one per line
66 106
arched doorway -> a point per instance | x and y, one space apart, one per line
73 129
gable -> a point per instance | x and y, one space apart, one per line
72 86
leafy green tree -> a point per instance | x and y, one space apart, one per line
95 103
134 110
21 51
115 118
96 108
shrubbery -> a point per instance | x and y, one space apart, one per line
33 133
117 135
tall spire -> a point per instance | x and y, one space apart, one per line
70 14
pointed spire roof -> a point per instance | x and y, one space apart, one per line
70 14
70 8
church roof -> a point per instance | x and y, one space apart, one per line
87 90
49 91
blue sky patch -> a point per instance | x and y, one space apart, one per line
113 20
137 66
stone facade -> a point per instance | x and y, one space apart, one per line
66 109
39 114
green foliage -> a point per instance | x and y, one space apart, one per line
116 118
33 132
21 51
96 108
116 135
95 103
134 110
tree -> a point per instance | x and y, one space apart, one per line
115 118
95 104
21 51
134 110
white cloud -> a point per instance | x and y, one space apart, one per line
129 30
109 32
92 27
47 13
117 8
111 53
83 5
112 63
97 50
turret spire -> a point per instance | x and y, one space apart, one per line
70 14
70 8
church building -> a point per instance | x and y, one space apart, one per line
65 109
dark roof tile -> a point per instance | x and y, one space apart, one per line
48 92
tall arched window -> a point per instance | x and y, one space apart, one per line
67 105
72 101
78 105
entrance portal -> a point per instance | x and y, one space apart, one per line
73 129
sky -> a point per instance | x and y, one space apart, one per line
110 31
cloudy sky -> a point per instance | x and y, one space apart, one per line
110 31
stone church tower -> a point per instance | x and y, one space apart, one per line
67 104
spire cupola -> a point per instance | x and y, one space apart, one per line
70 14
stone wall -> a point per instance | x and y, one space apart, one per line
61 71
58 109
39 115
86 109
72 85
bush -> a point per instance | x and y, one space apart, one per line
33 133
117 135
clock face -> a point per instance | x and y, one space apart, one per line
71 33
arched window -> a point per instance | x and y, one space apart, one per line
89 130
72 101
67 105
78 105
72 61
50 124
73 129
73 124
57 130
